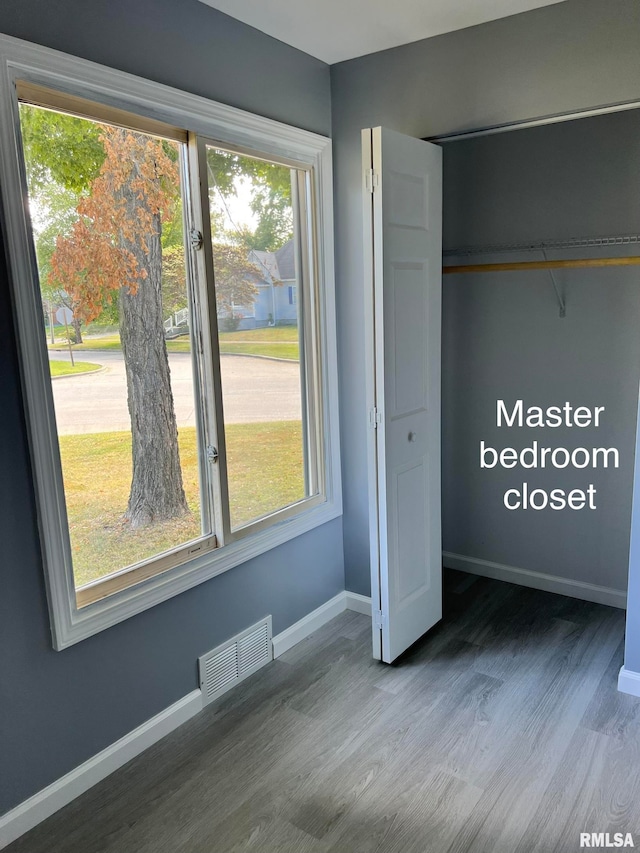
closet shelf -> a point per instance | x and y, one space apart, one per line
572 263
541 245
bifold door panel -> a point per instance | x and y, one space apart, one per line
403 234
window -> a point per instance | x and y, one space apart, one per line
271 451
180 398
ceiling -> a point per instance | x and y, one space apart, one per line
334 30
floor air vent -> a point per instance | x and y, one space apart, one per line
229 664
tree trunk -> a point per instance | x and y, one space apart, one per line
77 328
157 493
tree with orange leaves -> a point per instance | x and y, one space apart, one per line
114 250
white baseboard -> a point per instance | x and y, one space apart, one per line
359 603
629 682
60 793
297 632
537 580
300 630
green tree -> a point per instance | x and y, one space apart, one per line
271 197
174 279
59 148
57 216
236 277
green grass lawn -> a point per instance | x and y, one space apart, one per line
182 344
104 342
272 350
65 368
266 468
271 334
266 472
276 342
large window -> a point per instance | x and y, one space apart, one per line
182 412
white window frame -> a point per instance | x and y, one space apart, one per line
20 60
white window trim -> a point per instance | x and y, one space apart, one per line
25 61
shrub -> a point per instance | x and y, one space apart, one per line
229 324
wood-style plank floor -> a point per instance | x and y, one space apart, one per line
501 731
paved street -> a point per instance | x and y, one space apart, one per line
255 389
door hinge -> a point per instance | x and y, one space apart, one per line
378 619
375 417
212 454
371 180
196 238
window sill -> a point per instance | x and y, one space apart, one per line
102 614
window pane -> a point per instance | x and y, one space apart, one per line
258 281
106 210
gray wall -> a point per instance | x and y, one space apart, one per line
570 56
186 44
503 339
59 708
632 641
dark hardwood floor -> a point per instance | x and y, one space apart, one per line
501 731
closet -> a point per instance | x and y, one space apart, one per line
540 302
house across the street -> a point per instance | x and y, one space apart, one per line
276 301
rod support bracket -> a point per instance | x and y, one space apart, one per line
562 312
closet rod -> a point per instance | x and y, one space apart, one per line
574 263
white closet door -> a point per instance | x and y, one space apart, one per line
403 245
